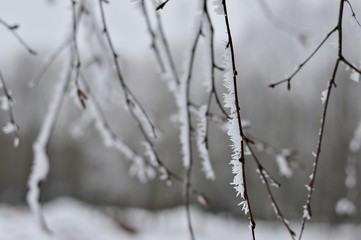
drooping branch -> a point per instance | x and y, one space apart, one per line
235 130
137 111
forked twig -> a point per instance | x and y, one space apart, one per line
307 213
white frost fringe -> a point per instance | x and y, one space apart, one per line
201 144
233 130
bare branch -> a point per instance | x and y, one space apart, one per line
353 13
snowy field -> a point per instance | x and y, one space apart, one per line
70 219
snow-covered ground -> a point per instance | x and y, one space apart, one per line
70 219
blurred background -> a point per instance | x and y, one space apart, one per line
271 38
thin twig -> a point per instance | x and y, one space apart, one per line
154 45
163 38
264 176
35 81
289 79
13 29
353 13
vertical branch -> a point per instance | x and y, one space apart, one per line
77 63
235 130
307 213
183 102
153 36
40 167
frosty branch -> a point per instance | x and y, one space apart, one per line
83 77
137 111
307 213
7 102
235 130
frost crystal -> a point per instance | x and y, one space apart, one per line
244 205
306 213
355 76
345 207
355 143
283 166
10 127
324 96
5 103
201 143
16 142
218 7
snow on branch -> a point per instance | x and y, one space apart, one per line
183 91
138 166
40 166
202 143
